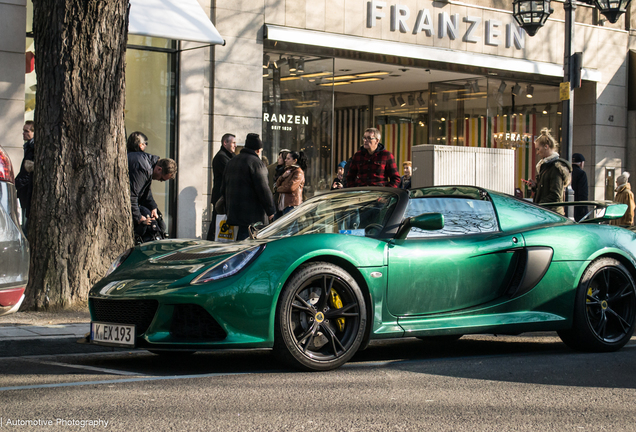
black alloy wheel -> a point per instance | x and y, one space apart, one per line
321 318
605 308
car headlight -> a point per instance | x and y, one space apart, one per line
119 261
230 266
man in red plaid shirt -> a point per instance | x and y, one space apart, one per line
373 165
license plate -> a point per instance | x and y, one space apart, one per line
113 334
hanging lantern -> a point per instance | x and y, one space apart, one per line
531 15
612 9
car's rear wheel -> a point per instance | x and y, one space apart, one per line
604 310
321 318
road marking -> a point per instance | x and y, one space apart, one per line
128 380
91 368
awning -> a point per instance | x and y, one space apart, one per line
172 19
392 48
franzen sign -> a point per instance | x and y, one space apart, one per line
284 121
448 25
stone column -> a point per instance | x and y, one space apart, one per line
235 80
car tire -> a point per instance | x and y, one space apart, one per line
315 330
604 309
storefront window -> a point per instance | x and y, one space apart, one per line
403 121
298 113
150 107
150 101
474 111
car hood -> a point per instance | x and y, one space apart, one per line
167 261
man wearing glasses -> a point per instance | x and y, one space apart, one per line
373 165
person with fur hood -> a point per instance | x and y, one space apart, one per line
624 195
291 183
553 172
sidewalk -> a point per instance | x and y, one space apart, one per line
23 326
24 332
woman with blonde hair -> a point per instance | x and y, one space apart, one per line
553 172
624 195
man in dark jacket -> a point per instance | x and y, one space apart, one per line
373 165
222 157
24 179
579 184
143 168
248 198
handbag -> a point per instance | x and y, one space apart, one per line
223 232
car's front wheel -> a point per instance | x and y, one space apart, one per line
605 308
321 318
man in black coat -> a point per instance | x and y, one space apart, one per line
579 184
248 198
24 179
222 157
143 168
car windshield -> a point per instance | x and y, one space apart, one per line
361 213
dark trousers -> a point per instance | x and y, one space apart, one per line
243 232
212 228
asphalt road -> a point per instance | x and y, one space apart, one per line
479 383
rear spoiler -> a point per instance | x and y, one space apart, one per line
602 211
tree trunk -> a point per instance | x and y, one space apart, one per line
80 215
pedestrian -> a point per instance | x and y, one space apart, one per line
338 181
291 183
248 199
405 181
222 157
579 185
143 168
553 172
624 195
24 179
137 142
373 165
276 169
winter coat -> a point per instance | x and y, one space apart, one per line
580 187
290 187
248 198
624 195
140 168
219 163
553 178
24 179
405 183
376 169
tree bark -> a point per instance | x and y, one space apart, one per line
80 215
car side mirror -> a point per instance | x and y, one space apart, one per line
426 221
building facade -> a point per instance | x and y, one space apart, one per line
312 75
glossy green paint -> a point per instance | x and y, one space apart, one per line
244 304
516 215
437 274
416 287
549 306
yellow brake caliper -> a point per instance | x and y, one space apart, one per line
336 303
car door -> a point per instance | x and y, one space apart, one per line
467 263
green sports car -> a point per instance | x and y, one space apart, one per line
359 264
